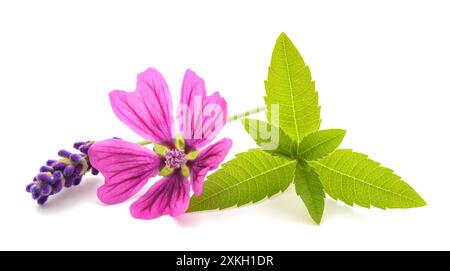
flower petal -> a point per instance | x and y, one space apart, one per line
169 196
148 110
126 166
200 117
208 159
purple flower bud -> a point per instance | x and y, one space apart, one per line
35 188
59 166
77 181
94 171
57 175
57 187
78 144
28 187
42 200
68 171
69 182
64 153
76 158
84 148
35 195
78 169
46 189
44 177
50 162
35 191
46 169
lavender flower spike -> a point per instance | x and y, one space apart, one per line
64 172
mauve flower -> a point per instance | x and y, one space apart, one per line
128 166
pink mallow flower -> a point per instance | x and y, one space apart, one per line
128 166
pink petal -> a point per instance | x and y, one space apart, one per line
208 159
148 110
200 117
169 196
126 167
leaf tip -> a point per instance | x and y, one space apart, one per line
317 219
283 37
421 202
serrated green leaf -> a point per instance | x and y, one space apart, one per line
250 177
320 143
355 179
290 86
270 138
309 188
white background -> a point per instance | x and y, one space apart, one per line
382 73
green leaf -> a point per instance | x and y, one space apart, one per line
250 177
355 179
309 188
320 143
290 86
270 138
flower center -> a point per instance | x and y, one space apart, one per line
175 158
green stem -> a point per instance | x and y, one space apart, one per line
246 113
